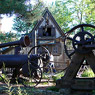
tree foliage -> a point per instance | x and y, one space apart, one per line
62 14
69 13
22 26
7 37
35 12
12 6
22 8
90 11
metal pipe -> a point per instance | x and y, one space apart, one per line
24 41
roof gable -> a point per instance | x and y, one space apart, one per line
47 12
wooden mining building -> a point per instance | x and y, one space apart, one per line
48 33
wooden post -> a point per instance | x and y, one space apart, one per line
74 66
35 42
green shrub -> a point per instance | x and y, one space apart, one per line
57 76
3 77
88 73
45 76
53 88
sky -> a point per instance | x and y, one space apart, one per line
7 22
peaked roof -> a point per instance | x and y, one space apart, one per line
53 20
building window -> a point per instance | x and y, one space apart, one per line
55 50
47 31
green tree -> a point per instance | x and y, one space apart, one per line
90 11
22 8
62 14
35 12
26 13
21 26
12 6
7 37
69 13
83 12
25 24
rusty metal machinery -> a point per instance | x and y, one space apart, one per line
27 69
81 40
42 52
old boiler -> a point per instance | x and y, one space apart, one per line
25 64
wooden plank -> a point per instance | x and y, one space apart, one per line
59 62
84 84
74 66
91 60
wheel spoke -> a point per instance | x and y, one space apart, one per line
89 40
82 29
77 43
71 53
69 38
82 38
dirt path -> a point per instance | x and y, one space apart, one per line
44 86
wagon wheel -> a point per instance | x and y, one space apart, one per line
80 39
35 70
33 78
43 54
